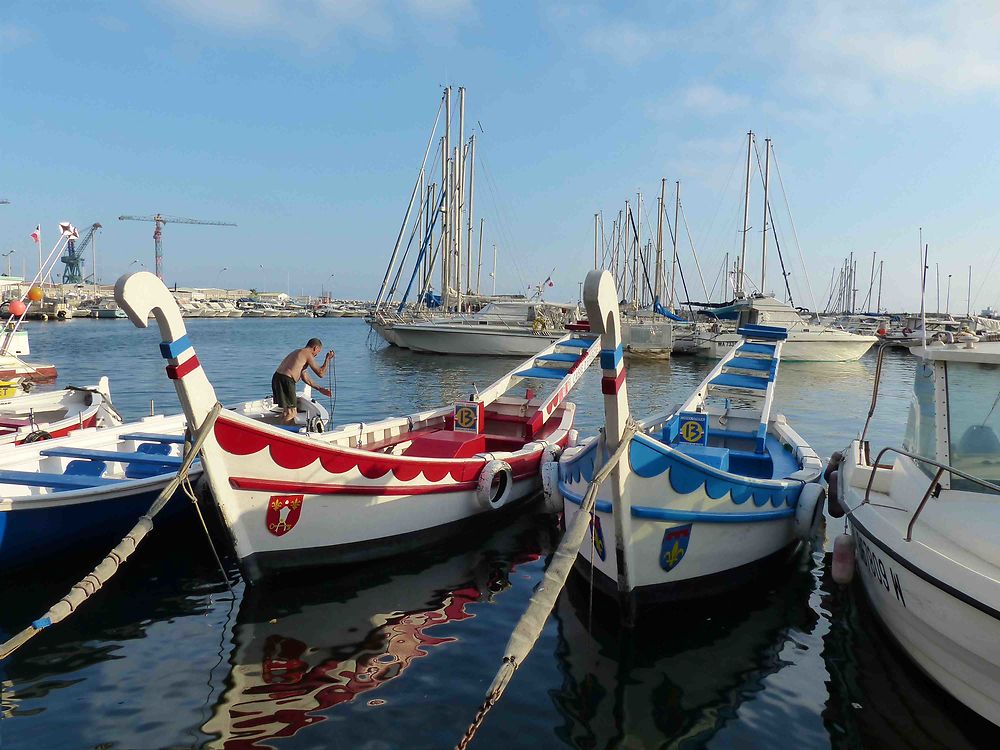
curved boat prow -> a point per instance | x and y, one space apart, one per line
142 293
601 298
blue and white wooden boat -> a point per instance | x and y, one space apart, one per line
88 489
706 493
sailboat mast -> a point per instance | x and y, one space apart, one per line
763 250
479 265
878 305
658 283
596 237
472 205
968 299
746 219
459 193
673 267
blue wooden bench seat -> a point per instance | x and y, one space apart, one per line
554 373
53 481
578 343
154 437
559 357
115 456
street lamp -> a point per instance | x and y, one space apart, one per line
219 274
947 299
7 256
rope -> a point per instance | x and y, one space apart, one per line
93 581
529 627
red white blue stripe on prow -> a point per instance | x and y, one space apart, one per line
614 371
180 354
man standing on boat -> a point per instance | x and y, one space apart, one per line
296 367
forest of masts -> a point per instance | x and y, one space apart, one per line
440 220
843 297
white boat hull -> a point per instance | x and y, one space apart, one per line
801 346
444 339
934 594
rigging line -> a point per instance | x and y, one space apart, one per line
502 217
774 232
722 195
972 303
795 234
694 252
503 225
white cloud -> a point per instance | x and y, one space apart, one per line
709 99
316 23
441 8
860 52
626 42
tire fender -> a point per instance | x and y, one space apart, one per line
494 485
809 510
34 437
833 496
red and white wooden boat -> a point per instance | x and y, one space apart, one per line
363 491
39 416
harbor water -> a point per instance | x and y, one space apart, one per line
399 653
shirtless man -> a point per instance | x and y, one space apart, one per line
293 368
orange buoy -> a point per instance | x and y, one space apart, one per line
35 294
17 308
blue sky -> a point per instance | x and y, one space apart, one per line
304 123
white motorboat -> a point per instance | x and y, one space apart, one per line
29 417
926 521
807 341
708 494
510 328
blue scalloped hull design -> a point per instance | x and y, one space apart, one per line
650 459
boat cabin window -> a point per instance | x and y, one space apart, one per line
974 422
921 423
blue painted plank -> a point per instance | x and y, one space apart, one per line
767 349
740 381
53 481
154 437
559 357
745 363
554 373
119 457
578 343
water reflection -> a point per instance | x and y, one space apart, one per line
679 680
303 649
878 697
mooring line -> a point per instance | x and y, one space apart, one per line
93 581
529 627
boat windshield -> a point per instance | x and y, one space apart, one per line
974 422
921 423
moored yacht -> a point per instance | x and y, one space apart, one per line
807 341
926 521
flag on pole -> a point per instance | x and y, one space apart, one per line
548 281
36 235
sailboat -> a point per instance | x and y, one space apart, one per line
709 493
808 340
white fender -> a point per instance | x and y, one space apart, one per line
572 438
494 485
552 499
809 510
